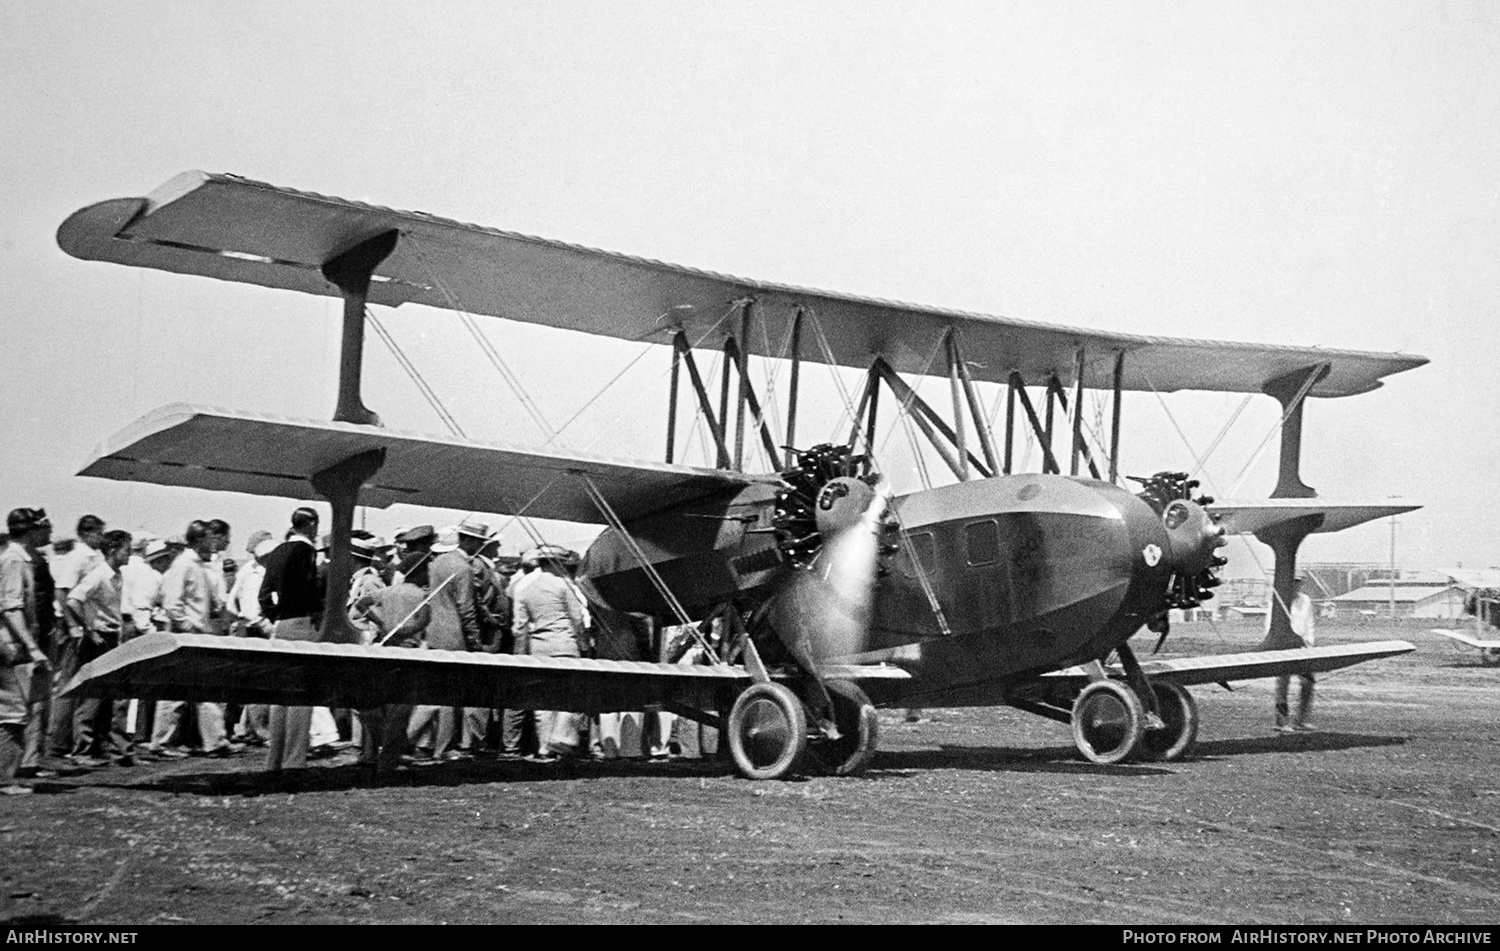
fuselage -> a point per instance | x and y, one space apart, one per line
983 582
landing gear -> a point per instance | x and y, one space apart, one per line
1179 713
767 732
859 732
1108 722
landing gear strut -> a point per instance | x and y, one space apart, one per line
1179 716
859 732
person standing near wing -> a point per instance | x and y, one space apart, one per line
1303 617
291 598
454 627
68 571
189 599
550 614
23 666
95 604
399 613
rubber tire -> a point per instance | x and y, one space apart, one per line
1179 711
1113 705
1489 656
855 716
767 732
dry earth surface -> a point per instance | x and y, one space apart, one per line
1390 814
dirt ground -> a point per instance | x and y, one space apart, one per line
1390 814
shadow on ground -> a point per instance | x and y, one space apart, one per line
259 782
1293 743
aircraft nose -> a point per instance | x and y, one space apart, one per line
1194 537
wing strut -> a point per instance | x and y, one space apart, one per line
1291 391
340 485
350 271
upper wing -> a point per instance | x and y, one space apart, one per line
1222 668
1246 516
230 451
200 667
1469 639
235 229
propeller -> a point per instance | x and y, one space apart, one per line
1194 537
824 611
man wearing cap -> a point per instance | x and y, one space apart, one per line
190 600
454 627
291 597
243 603
365 581
399 613
95 605
140 598
23 666
68 571
140 586
47 633
550 616
1302 615
249 722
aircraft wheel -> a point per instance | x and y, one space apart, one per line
859 729
1108 721
1489 656
767 732
1179 711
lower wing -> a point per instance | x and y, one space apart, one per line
1466 638
200 667
1223 668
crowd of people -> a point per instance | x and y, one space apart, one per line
66 604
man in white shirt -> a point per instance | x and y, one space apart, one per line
189 600
244 598
95 605
1302 615
252 724
140 586
67 572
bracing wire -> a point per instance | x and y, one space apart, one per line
497 361
416 375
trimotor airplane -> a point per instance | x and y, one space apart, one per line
1484 606
832 597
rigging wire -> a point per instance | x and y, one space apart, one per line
645 394
416 375
1222 433
485 345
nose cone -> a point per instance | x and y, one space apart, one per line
1193 537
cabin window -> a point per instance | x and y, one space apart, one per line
982 542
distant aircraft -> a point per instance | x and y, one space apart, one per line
832 597
1484 607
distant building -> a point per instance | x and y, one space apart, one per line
1411 599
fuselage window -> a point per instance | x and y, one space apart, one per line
982 542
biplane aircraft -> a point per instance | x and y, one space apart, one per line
1484 606
836 597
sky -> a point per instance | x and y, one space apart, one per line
1314 174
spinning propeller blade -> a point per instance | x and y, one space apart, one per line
824 612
